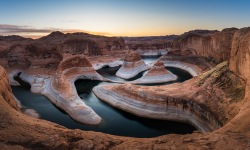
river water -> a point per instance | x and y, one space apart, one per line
115 121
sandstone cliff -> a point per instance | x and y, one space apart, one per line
5 90
240 54
215 45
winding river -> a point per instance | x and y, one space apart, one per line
115 121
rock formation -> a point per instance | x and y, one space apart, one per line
132 65
220 88
195 65
62 90
240 54
157 74
47 52
112 60
183 102
212 44
6 92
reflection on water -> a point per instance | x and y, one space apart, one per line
115 121
109 73
150 59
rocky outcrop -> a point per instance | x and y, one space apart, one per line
240 54
5 90
60 88
132 65
195 65
185 102
216 45
63 93
157 74
19 131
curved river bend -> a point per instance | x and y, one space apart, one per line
115 121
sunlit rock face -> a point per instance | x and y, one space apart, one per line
132 65
5 90
157 74
213 44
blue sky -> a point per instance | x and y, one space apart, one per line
120 17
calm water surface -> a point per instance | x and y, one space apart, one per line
115 121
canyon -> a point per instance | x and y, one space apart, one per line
215 100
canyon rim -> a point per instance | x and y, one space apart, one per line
130 75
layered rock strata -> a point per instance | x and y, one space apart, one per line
157 74
63 92
132 65
6 92
212 44
19 131
184 102
60 88
195 65
99 62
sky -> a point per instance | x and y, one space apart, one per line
35 18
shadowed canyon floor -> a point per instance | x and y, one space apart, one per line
216 99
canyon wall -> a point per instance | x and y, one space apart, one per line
5 90
48 51
213 44
240 54
19 131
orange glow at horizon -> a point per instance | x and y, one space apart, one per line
138 33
